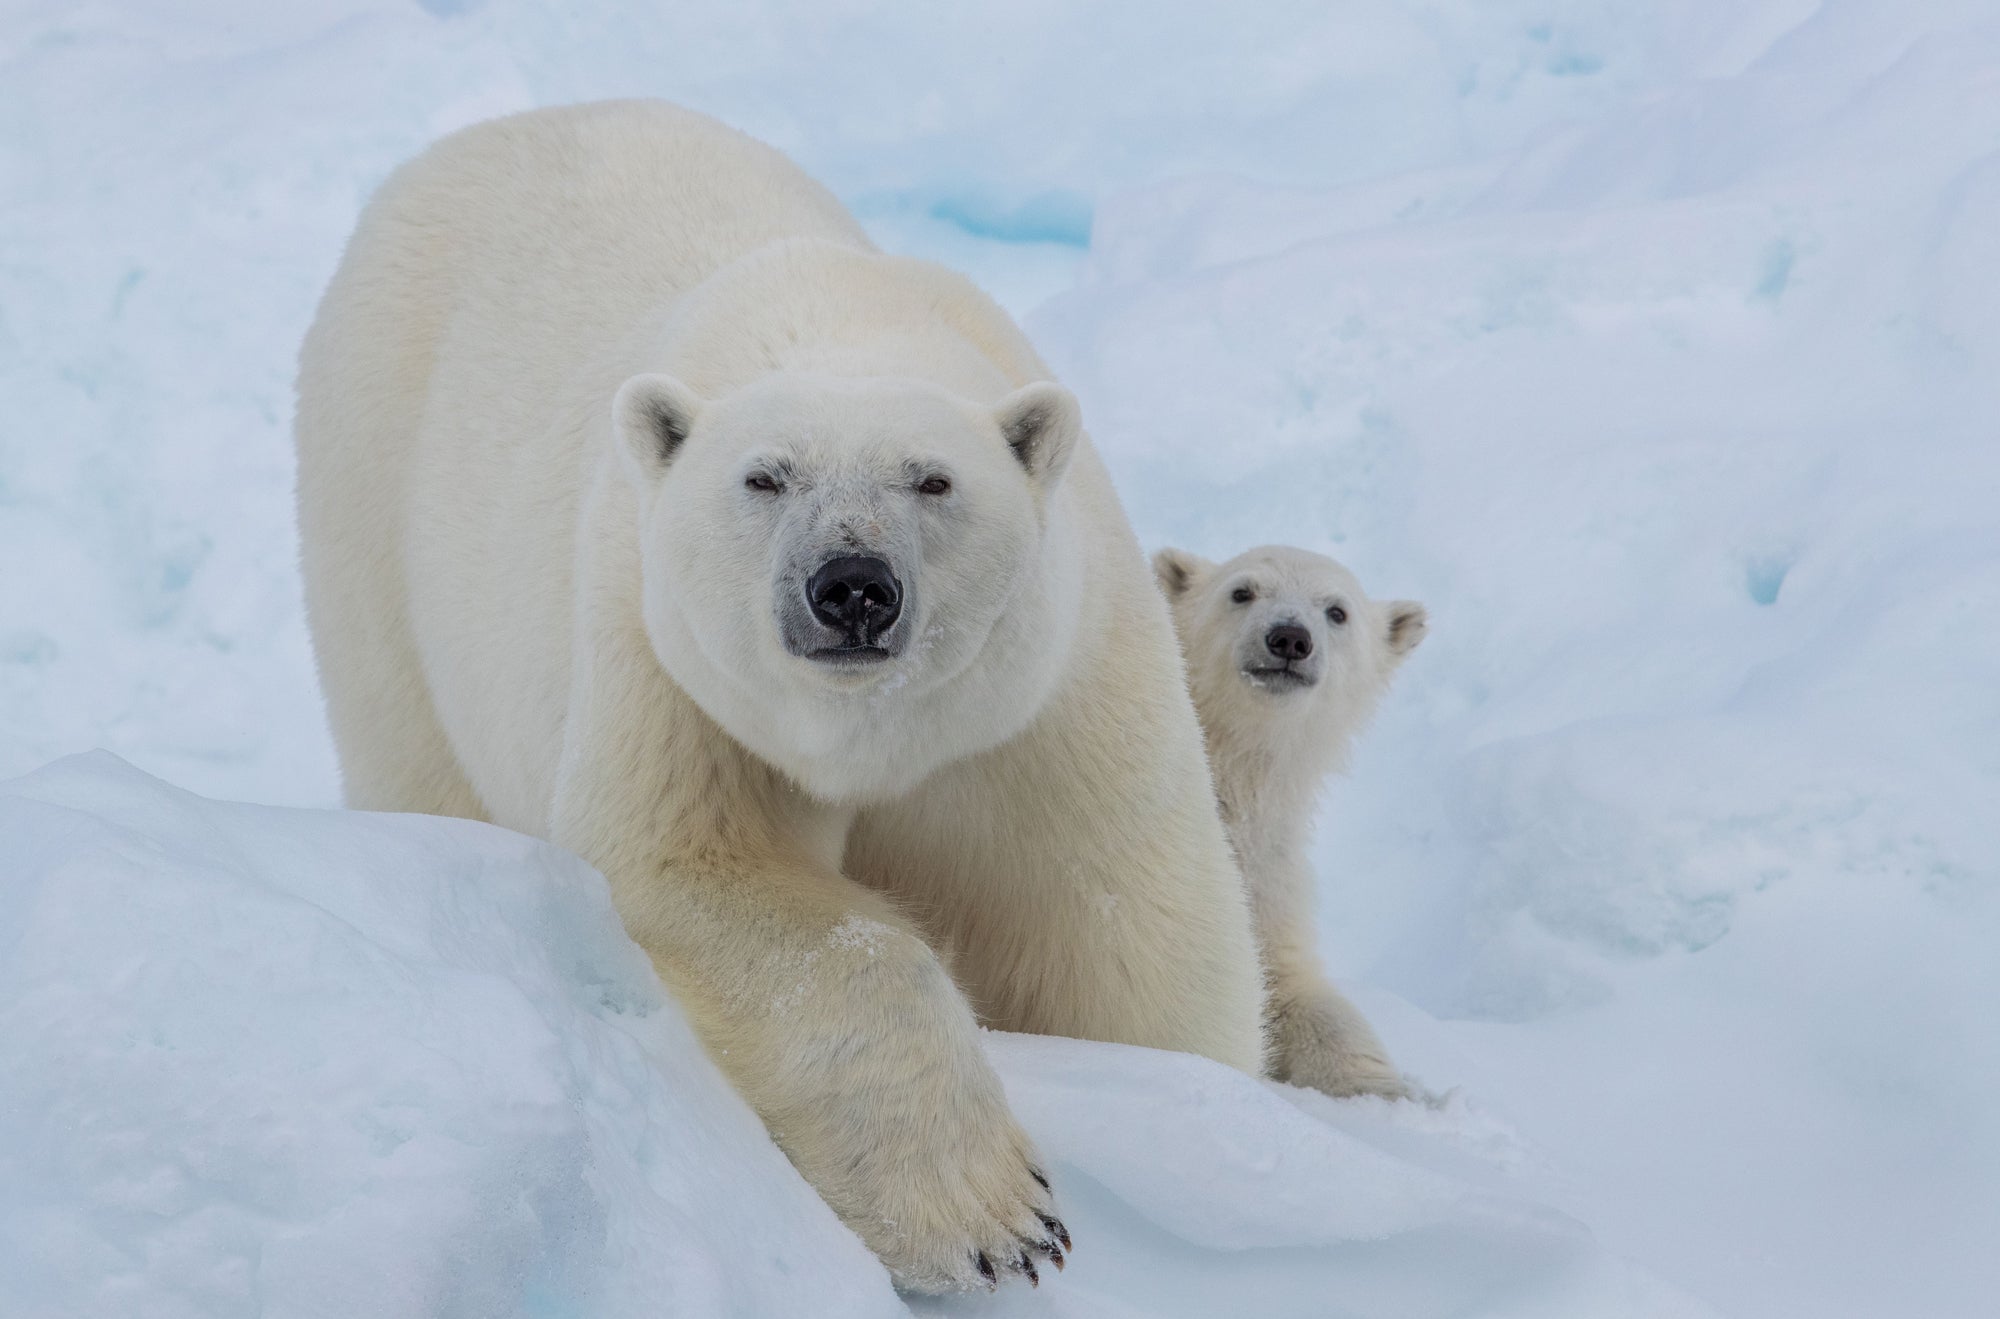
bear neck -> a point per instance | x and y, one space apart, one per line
1270 766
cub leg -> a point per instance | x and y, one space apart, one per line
1318 1039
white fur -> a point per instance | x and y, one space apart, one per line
542 593
1272 742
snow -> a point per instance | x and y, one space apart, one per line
299 1062
291 1062
1655 348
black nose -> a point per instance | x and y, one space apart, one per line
1289 641
857 595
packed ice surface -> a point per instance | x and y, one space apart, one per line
275 1061
1656 348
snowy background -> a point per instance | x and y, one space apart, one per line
1655 347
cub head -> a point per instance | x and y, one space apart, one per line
1282 637
857 578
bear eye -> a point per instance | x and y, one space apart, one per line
934 485
1335 614
762 483
1242 595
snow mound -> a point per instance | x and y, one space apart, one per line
265 1061
271 1061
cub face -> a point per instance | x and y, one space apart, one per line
1277 633
829 565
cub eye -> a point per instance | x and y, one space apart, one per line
762 482
1335 614
935 485
1242 595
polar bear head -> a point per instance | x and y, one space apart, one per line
1281 642
860 579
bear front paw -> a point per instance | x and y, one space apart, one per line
918 1153
964 1223
1019 1255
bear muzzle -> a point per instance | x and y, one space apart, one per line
855 600
1284 661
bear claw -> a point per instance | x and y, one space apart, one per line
1056 1229
1038 1237
1050 1247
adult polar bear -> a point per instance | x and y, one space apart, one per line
646 507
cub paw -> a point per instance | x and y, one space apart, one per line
1318 1040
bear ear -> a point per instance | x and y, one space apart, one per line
1041 424
1407 625
1176 571
653 415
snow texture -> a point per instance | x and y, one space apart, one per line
275 1061
297 1062
1655 347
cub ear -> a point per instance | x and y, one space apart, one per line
1041 424
1407 625
1176 571
653 415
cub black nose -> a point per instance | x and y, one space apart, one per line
1289 641
857 595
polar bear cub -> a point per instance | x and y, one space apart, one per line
1287 658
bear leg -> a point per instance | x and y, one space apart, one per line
828 1013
